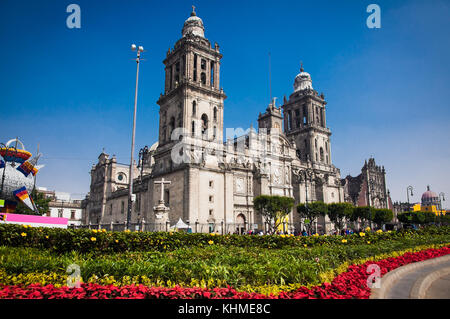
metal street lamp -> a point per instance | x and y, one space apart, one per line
409 190
130 188
441 198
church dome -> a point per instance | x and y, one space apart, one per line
429 197
303 81
193 25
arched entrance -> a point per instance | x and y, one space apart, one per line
240 224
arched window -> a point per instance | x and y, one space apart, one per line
321 155
193 128
215 114
214 132
194 108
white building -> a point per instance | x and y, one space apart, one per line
62 205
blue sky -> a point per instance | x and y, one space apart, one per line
72 90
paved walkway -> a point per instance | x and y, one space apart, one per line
428 279
440 288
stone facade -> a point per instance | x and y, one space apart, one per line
368 188
215 179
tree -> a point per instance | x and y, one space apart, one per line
364 214
339 213
274 209
310 212
39 200
382 216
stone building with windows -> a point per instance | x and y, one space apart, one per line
368 188
215 178
63 205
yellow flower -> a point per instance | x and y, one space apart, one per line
212 234
94 230
282 235
316 235
210 242
93 239
127 230
23 234
116 241
344 240
305 245
367 229
46 237
368 242
379 231
362 234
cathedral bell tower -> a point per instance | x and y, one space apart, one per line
305 123
192 99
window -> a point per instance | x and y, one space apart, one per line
289 120
193 129
211 184
48 213
203 65
122 207
167 197
321 155
204 125
214 132
203 78
110 209
210 212
171 126
211 198
215 114
170 77
60 212
194 108
72 214
297 118
195 67
305 115
212 74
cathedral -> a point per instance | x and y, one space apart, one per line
210 180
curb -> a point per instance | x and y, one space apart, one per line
420 288
389 279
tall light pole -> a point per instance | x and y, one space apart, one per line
130 188
409 189
441 198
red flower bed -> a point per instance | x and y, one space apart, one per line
348 285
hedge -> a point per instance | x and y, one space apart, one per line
85 240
